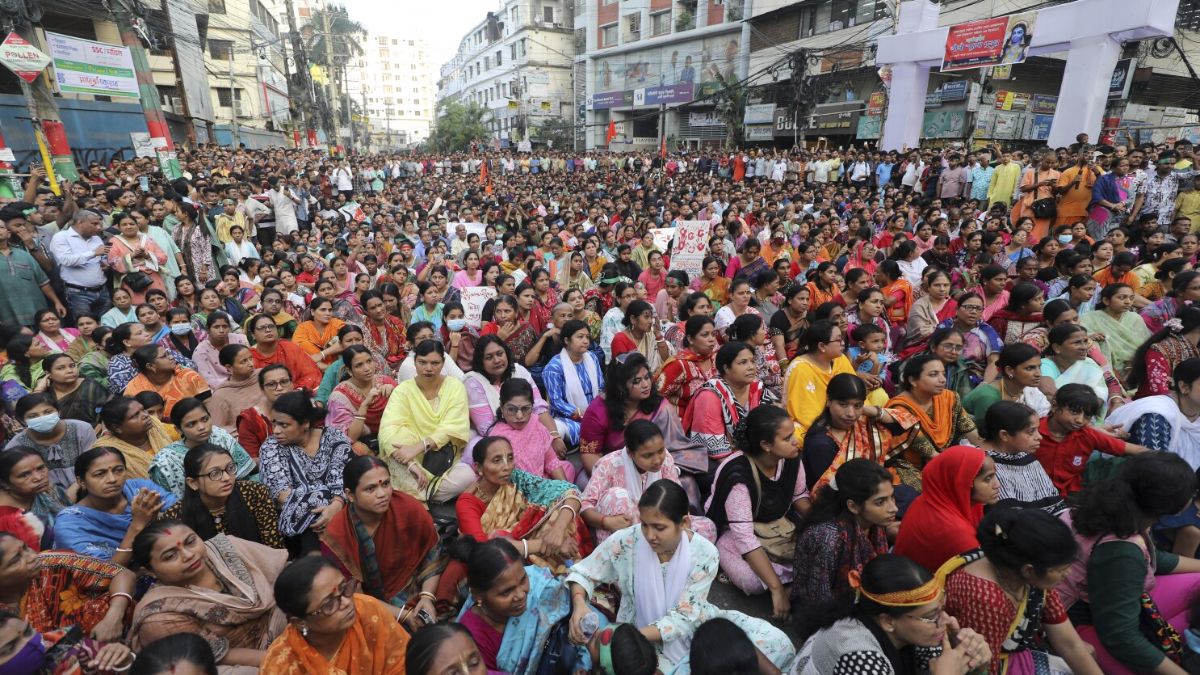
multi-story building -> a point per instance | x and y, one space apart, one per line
655 67
245 62
393 84
517 63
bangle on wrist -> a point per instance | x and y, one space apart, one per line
525 544
427 594
123 550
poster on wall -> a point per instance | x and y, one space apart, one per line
691 242
1039 127
1122 79
87 67
1002 40
1008 125
944 124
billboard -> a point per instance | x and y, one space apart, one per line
666 72
944 124
95 68
1002 40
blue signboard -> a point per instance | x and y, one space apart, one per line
955 90
611 99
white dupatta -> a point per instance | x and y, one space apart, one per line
572 387
654 596
1185 435
633 479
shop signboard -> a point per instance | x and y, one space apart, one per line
944 124
1002 40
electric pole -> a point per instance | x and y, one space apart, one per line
303 88
156 122
233 120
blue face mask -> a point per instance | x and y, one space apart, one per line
44 424
29 659
456 325
181 328
1064 238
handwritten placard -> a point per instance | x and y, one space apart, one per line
473 300
691 242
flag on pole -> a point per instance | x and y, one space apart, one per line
662 148
483 172
612 132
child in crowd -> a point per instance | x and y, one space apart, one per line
869 356
1068 440
1011 439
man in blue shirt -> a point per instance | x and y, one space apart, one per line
883 171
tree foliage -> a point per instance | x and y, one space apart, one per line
556 130
342 42
457 125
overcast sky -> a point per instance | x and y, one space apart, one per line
442 23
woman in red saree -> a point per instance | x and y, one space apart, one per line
897 292
387 541
544 299
269 349
507 324
384 333
863 257
682 375
1021 314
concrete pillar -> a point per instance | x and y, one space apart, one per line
906 112
1083 95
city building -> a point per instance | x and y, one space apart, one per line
517 63
393 83
843 99
656 69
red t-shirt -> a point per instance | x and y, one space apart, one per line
1065 460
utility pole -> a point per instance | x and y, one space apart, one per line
233 122
329 86
42 107
303 84
156 122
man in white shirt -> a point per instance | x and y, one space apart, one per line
912 172
284 201
459 244
81 253
343 178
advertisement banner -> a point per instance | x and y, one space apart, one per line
1122 79
838 117
944 124
760 132
876 103
870 127
473 300
997 41
760 113
954 91
1039 127
691 242
87 67
674 93
704 119
22 58
1008 125
785 123
1043 104
611 99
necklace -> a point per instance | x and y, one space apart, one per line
217 515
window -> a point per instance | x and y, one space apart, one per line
223 98
633 27
512 51
499 58
843 14
216 6
660 24
548 14
220 50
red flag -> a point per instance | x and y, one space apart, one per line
483 172
612 132
662 148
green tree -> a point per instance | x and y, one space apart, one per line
557 131
333 38
457 125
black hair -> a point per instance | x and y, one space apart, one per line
638 433
1107 294
164 654
515 387
1060 334
219 315
485 561
616 390
350 352
695 324
1189 317
114 411
826 310
1012 538
239 522
990 272
687 306
744 327
759 426
144 356
865 330
1145 488
427 347
262 374
841 387
479 452
719 647
424 645
416 327
1187 371
1056 308
229 353
1008 416
30 401
817 333
1021 294
481 346
668 498
915 366
728 353
1079 398
182 408
636 308
149 399
294 584
358 467
298 405
857 480
1013 355
10 457
570 328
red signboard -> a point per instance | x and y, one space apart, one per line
25 60
988 42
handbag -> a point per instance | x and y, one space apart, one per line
1043 208
137 281
777 537
559 656
439 460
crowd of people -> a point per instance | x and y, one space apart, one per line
293 413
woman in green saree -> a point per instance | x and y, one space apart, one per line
1118 329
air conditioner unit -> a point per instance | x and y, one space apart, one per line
173 104
241 109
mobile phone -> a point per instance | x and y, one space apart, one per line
425 617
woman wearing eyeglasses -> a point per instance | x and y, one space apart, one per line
254 423
220 589
331 627
270 349
190 416
216 502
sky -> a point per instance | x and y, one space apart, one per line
442 23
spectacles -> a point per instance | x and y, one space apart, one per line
935 620
265 326
839 340
278 384
518 410
951 348
972 308
215 474
329 605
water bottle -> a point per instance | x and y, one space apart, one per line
589 624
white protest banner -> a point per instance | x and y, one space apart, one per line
662 237
142 144
691 243
89 67
473 300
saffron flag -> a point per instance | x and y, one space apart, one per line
612 132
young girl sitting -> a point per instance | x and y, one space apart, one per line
870 356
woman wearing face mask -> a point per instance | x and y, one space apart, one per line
190 416
896 610
1005 592
619 478
216 502
663 572
181 339
56 651
942 521
59 440
846 529
207 353
220 589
